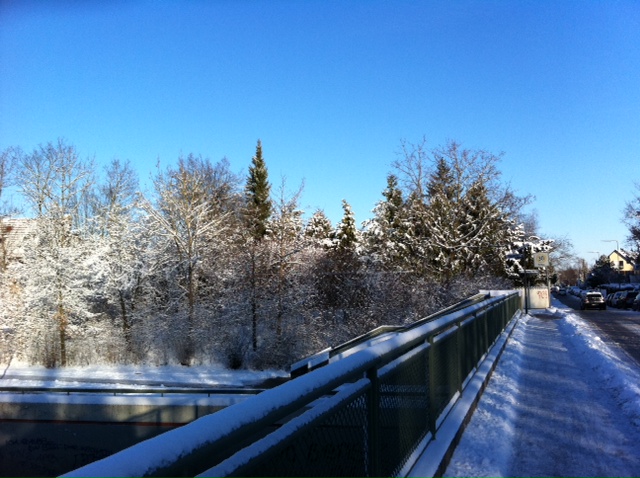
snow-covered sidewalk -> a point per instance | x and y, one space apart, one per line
560 403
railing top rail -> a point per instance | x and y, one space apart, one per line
452 308
383 329
321 358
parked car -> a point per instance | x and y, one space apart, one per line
562 291
593 300
626 299
636 303
612 299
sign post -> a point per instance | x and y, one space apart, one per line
541 261
527 290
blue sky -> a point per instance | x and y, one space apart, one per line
332 87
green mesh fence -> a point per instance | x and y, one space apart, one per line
336 446
444 367
365 415
405 399
404 410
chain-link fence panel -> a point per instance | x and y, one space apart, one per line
404 409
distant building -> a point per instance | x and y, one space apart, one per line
13 233
624 262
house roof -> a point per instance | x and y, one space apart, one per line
629 257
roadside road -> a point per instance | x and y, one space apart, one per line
619 327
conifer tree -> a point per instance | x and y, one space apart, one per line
486 230
257 214
462 223
443 220
342 286
386 233
258 191
393 202
346 235
319 228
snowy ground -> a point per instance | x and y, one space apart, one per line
560 403
22 375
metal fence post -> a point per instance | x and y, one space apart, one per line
432 388
373 423
459 352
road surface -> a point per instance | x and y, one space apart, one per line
619 327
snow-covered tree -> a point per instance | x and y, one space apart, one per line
185 224
386 234
56 183
631 218
341 281
8 163
58 290
287 243
212 266
319 229
458 209
10 295
346 235
118 230
520 255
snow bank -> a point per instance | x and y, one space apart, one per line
620 375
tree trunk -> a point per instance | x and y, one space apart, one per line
126 325
254 305
62 328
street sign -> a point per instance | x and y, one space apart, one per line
541 259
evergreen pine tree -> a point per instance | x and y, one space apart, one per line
257 214
392 206
484 231
346 235
257 192
319 228
442 182
386 233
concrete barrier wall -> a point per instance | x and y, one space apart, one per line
115 409
51 434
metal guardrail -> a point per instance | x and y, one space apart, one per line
365 415
325 356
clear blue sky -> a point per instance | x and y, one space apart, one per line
332 87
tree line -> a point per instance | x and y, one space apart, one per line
212 266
